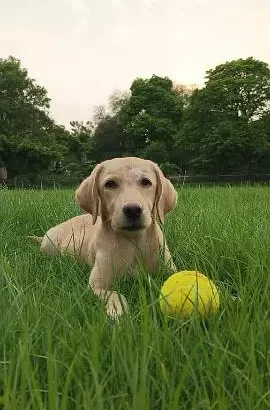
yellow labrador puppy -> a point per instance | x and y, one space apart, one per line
125 199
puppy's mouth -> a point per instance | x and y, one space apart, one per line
133 227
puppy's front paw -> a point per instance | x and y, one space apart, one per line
116 305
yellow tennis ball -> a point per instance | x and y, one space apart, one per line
187 291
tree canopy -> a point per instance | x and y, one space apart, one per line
29 138
151 117
223 127
220 128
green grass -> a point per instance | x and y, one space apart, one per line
59 351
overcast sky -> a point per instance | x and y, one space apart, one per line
82 50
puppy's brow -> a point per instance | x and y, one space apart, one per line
112 176
139 173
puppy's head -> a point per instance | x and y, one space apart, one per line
128 193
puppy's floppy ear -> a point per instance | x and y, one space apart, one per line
87 194
166 195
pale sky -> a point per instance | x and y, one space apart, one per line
83 50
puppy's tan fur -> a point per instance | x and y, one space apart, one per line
100 237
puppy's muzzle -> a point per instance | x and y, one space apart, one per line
133 216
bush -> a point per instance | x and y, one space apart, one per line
169 169
69 175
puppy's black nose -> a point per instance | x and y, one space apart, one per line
132 211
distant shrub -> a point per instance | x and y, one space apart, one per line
169 169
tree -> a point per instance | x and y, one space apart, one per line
117 100
99 115
261 128
107 139
79 141
156 151
185 92
22 102
151 114
217 133
240 88
29 138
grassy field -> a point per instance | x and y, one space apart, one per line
59 351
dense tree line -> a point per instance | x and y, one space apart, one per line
223 127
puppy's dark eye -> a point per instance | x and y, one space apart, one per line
111 184
146 182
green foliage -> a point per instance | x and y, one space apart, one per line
169 169
107 134
152 114
29 138
142 122
117 100
224 128
239 88
79 141
107 139
156 151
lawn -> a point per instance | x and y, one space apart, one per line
58 351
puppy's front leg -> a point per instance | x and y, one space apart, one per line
100 282
168 259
